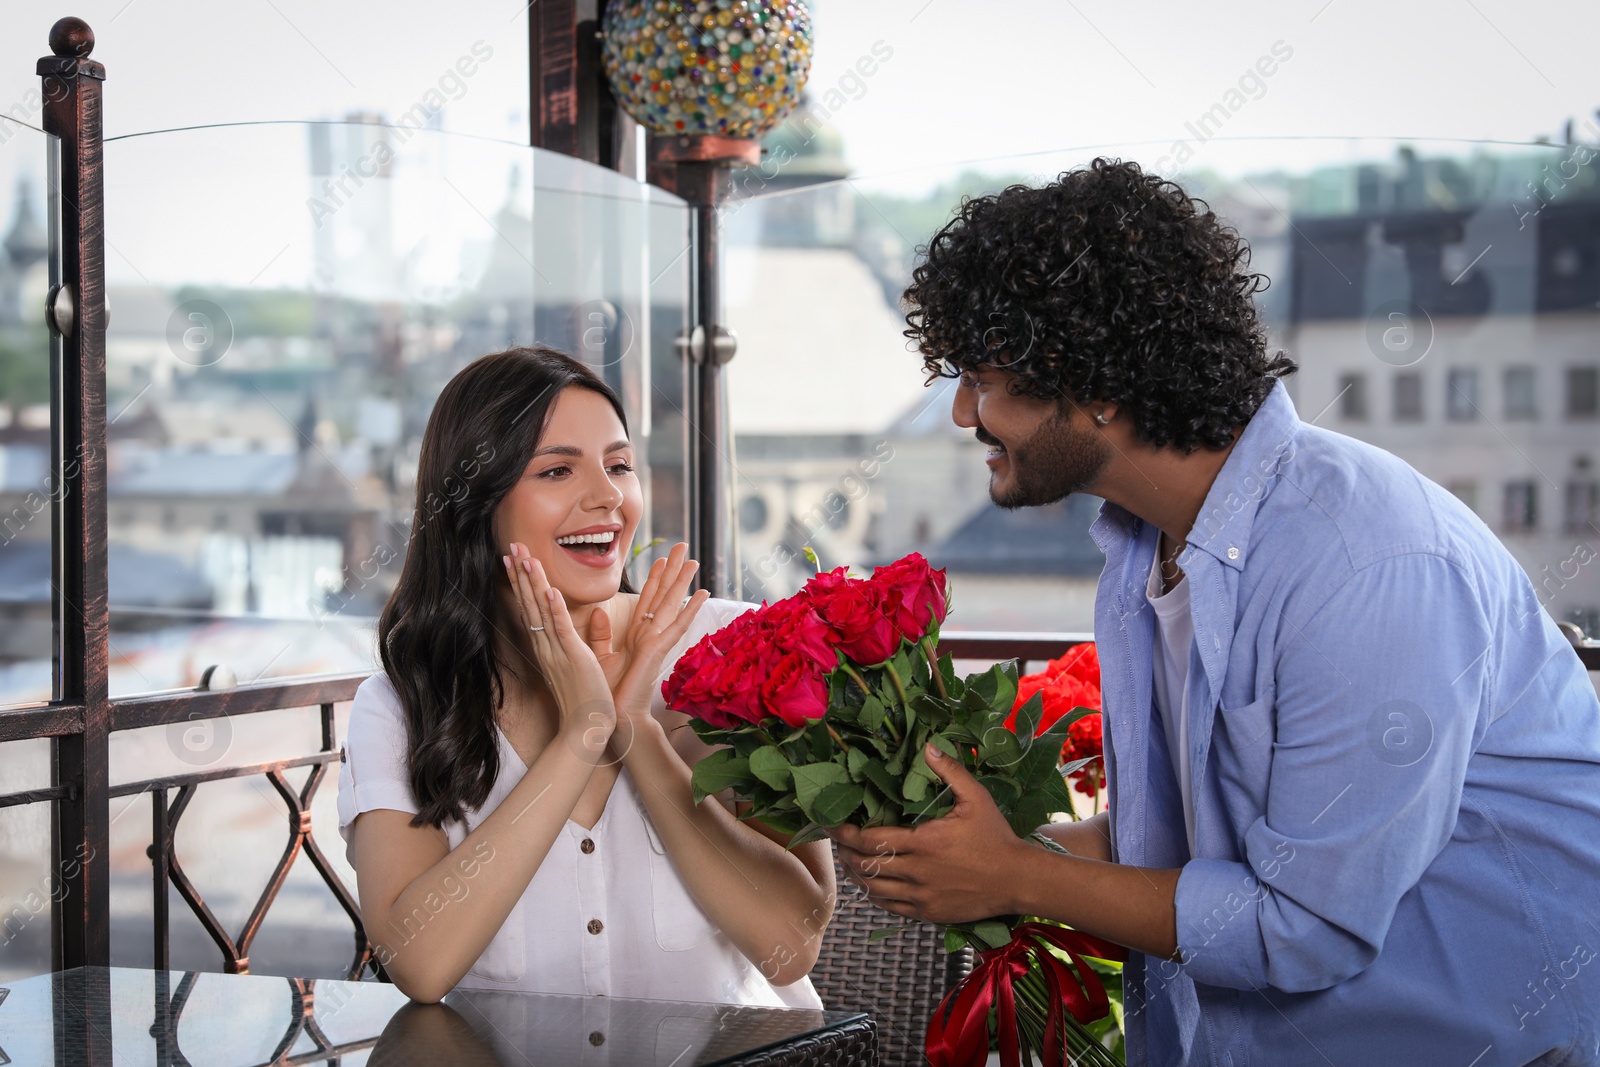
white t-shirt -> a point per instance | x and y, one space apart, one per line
1174 638
652 941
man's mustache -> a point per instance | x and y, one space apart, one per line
985 438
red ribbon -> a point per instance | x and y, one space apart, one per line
958 1032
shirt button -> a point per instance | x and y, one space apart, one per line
595 926
1233 553
587 846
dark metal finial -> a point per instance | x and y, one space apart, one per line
71 37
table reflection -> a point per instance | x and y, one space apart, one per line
120 1015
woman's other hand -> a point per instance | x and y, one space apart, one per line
661 617
576 679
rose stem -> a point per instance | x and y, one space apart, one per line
888 720
930 650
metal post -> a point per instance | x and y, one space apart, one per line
76 316
698 169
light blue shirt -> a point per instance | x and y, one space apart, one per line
1396 770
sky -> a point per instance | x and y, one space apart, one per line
965 85
965 80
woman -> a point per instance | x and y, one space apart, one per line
516 800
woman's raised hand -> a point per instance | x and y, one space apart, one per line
660 619
577 681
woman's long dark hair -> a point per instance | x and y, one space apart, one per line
436 634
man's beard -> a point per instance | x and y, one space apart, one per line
1052 464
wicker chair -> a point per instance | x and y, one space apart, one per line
898 980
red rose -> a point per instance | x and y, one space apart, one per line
855 610
796 627
723 689
1084 741
1072 681
915 593
794 691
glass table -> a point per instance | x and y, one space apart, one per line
120 1015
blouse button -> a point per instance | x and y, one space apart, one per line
587 846
595 926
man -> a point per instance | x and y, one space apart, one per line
1354 768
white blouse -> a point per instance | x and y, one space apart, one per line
606 913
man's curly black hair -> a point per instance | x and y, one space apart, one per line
1107 284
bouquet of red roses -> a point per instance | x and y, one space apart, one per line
825 702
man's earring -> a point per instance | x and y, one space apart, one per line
1101 418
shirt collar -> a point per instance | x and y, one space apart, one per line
1222 528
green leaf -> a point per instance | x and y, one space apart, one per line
719 771
878 744
999 748
808 833
993 932
890 931
1029 714
1077 765
954 940
985 686
915 786
897 762
930 807
837 802
783 822
1006 793
809 781
856 763
872 714
769 764
871 803
952 685
876 773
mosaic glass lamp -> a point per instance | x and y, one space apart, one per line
719 68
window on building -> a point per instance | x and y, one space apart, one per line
1583 392
1521 507
1461 394
1521 393
1466 492
1583 506
1408 397
1353 397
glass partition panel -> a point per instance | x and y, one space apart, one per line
1440 298
28 484
287 301
29 880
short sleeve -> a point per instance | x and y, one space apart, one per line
373 774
